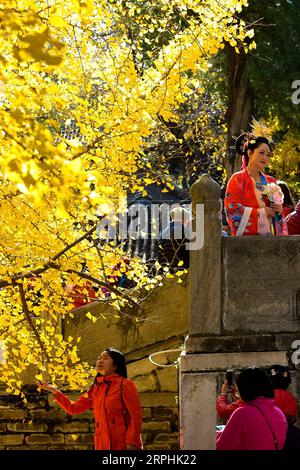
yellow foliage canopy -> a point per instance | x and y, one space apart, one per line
112 67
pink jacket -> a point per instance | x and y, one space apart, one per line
247 429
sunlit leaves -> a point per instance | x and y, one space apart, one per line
112 69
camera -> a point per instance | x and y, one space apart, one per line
229 377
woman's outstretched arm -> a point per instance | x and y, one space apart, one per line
84 403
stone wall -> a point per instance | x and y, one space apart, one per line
260 285
244 311
162 319
41 424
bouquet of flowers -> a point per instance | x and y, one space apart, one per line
273 193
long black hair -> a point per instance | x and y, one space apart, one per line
280 376
245 143
253 383
288 200
118 361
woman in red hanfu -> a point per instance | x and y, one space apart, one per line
253 200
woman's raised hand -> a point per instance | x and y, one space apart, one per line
46 386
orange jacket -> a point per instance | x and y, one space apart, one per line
118 415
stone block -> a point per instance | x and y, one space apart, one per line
38 439
57 438
153 400
72 427
27 427
142 367
81 439
156 426
145 383
162 413
147 413
198 411
169 438
11 439
10 413
2 427
80 447
44 415
26 447
58 447
257 309
157 446
168 379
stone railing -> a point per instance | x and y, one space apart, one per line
244 311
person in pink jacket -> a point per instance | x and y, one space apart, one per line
259 424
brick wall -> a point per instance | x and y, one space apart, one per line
42 425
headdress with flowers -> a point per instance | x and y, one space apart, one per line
258 130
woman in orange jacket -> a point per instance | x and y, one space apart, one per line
114 400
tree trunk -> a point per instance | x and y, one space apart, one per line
240 105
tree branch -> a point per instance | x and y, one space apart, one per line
103 284
50 264
31 324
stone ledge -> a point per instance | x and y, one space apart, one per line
239 343
221 361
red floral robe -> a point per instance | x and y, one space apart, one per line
243 210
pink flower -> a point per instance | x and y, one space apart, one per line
274 193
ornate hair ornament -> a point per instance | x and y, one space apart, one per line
258 129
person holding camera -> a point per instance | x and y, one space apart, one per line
259 424
228 400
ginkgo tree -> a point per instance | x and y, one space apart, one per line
116 68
